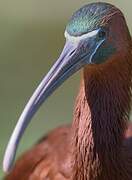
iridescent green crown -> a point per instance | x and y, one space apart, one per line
89 18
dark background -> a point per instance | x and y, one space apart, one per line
31 38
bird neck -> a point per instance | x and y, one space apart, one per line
100 120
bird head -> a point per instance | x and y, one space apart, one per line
102 24
92 37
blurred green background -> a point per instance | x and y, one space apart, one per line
31 38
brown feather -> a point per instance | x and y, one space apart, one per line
98 145
46 160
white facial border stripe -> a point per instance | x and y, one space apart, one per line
76 39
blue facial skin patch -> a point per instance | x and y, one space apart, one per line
103 53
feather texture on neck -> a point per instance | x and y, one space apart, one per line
100 121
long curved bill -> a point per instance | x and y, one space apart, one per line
70 60
61 70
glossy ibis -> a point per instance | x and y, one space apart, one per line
98 144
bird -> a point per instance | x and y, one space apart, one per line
98 143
